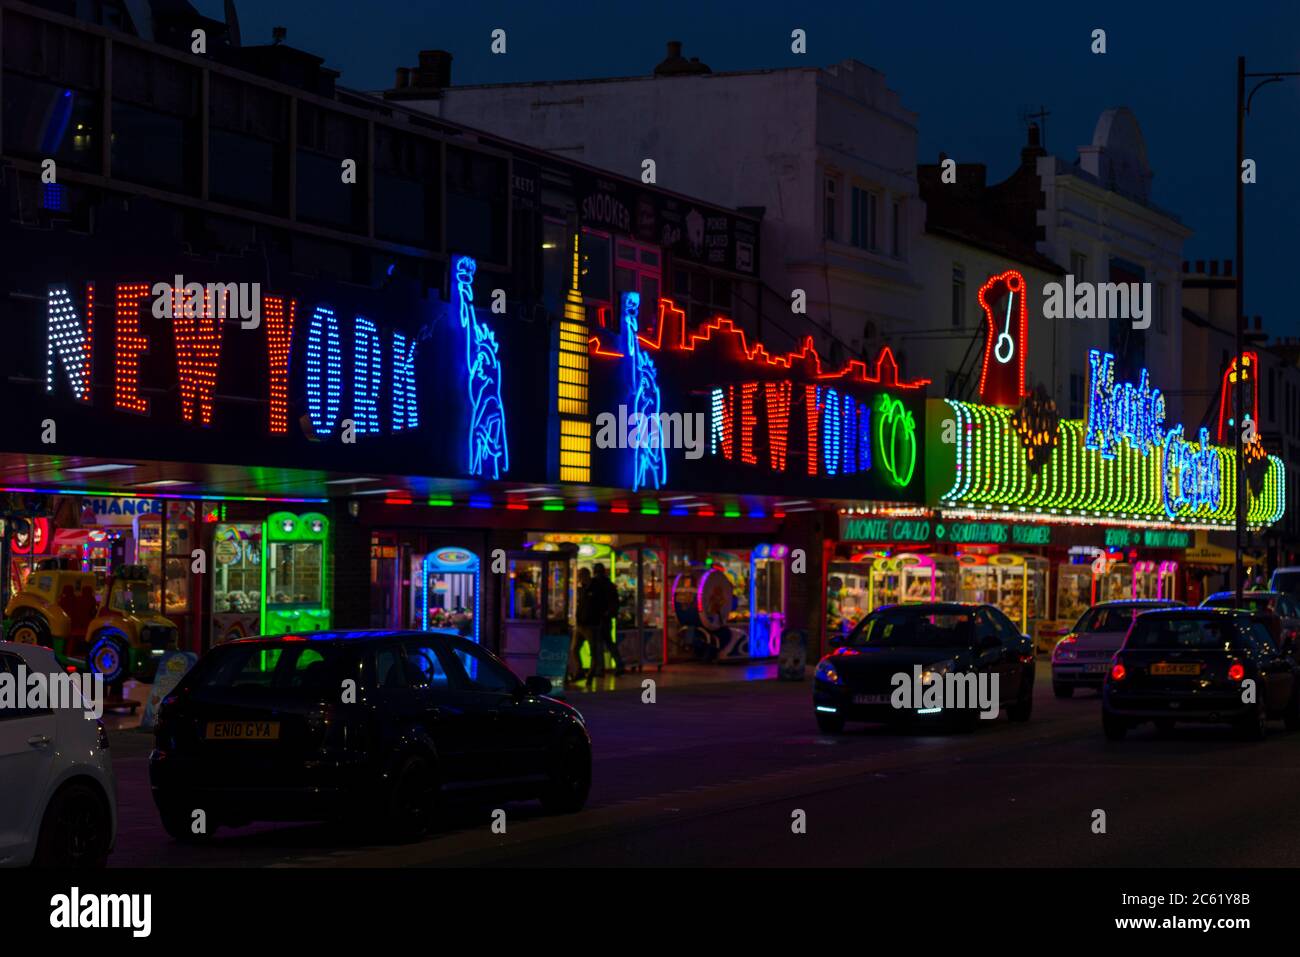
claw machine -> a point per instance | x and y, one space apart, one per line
445 592
884 583
923 578
236 581
736 566
1015 584
767 596
1154 579
164 543
536 612
639 572
295 575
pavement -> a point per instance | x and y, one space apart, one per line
716 773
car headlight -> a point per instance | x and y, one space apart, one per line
826 672
930 672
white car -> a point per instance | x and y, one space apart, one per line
58 796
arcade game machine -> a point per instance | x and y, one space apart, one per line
96 550
536 607
1017 585
236 581
295 586
588 555
639 576
885 583
164 544
1152 579
703 602
736 566
847 584
1112 579
923 578
445 592
767 591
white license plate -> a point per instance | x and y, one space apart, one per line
1096 669
871 699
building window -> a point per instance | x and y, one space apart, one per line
1076 395
1079 266
1161 292
325 140
958 296
896 230
594 266
637 269
406 193
863 233
247 139
830 201
701 295
478 205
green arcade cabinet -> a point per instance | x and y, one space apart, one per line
295 573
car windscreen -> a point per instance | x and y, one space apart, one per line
1247 603
1158 633
1097 620
1287 582
911 627
255 668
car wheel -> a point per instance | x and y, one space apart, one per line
178 822
1114 726
411 801
76 829
1250 726
1024 706
30 630
108 656
1291 718
1062 690
830 723
566 791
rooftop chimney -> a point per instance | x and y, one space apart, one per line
676 65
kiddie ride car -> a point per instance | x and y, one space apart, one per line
120 638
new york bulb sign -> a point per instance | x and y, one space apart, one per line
325 375
1124 464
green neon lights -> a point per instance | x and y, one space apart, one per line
992 472
896 446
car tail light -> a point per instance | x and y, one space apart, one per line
1236 671
1118 672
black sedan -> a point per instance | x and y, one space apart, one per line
926 662
1201 665
377 727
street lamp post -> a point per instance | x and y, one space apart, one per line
1239 478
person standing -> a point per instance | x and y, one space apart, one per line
586 617
606 595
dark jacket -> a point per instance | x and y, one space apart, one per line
606 596
588 611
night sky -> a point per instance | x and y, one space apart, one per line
966 71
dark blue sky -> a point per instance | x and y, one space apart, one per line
964 68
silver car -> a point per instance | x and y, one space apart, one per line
1082 657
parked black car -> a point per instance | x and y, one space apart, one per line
376 726
1192 665
951 642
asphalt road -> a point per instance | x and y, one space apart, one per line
714 775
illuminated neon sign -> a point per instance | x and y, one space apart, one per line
650 460
67 343
1006 313
1127 411
1193 477
489 450
896 439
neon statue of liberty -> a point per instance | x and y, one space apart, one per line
650 461
489 450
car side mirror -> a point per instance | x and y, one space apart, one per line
537 685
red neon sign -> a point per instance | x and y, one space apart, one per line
1004 301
